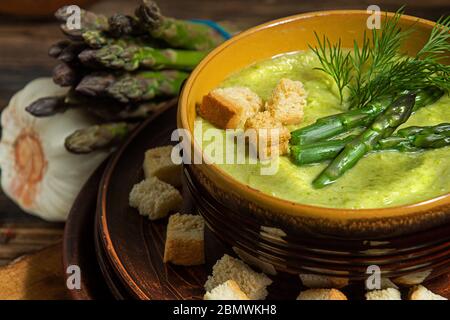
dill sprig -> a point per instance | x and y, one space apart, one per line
334 62
376 69
439 41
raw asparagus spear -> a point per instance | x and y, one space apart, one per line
383 126
123 25
70 52
88 21
141 86
133 57
147 85
47 106
66 76
55 49
97 137
177 33
336 124
97 39
406 140
95 84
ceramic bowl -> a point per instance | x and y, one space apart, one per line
263 42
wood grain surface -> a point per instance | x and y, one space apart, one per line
23 57
37 276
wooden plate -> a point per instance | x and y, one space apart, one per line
78 242
134 246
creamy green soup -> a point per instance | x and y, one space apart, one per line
382 179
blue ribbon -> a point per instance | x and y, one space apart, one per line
214 25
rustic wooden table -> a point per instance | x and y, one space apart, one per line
23 57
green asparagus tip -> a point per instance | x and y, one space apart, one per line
322 181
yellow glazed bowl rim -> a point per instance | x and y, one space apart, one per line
221 178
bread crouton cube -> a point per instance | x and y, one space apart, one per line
229 108
419 292
287 102
158 163
252 283
185 240
154 198
271 136
384 294
321 294
229 290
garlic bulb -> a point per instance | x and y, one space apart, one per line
38 173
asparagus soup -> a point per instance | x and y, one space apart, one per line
380 179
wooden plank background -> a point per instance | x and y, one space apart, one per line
23 57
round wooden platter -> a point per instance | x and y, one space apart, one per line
132 246
78 242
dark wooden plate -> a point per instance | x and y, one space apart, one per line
134 246
78 242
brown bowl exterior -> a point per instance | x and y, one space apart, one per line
287 35
424 252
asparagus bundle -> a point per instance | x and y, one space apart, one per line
383 126
121 68
409 139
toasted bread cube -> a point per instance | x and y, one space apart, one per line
385 294
287 101
229 290
185 240
320 282
321 294
158 163
419 292
229 108
154 198
252 283
270 134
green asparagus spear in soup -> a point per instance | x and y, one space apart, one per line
430 137
409 139
177 33
383 126
98 137
318 151
336 124
133 57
